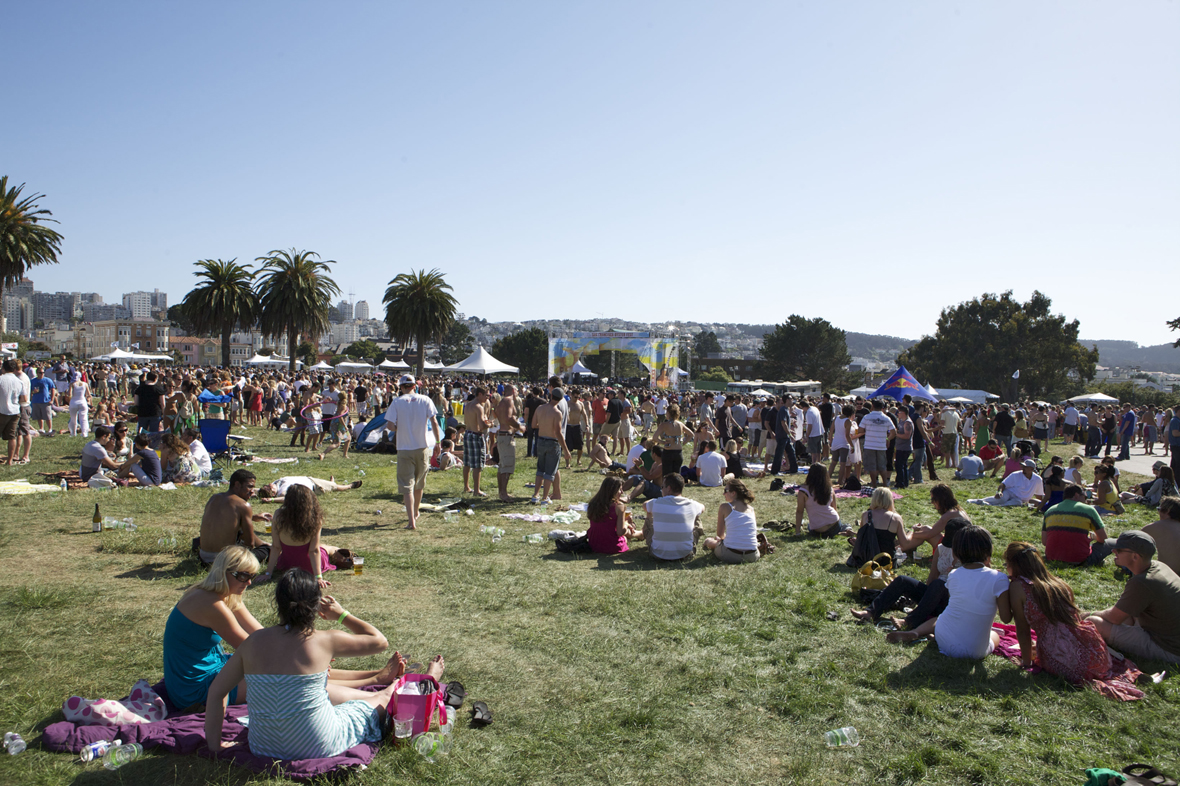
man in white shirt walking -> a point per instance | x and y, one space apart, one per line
412 414
12 398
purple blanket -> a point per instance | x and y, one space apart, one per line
186 734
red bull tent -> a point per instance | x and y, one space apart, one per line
900 384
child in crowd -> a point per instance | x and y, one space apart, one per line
977 593
447 457
315 428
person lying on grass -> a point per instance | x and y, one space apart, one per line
296 710
276 490
737 526
295 530
977 593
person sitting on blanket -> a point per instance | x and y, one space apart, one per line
977 593
296 710
229 519
276 490
96 454
295 531
737 526
816 500
1066 645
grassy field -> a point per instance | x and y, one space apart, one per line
599 670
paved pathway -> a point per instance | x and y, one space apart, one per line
1138 463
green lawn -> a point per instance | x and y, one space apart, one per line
612 670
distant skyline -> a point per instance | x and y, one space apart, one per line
865 163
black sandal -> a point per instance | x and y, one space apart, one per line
1146 774
455 695
480 714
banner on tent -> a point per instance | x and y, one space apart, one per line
658 355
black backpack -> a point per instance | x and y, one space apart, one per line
573 545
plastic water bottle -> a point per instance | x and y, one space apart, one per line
97 750
119 755
64 486
535 538
14 743
846 737
431 745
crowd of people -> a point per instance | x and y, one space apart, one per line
649 444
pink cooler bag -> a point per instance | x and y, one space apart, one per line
425 701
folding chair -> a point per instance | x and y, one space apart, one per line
215 438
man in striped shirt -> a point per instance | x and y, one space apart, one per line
673 522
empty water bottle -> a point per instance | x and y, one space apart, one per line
97 750
846 737
535 538
432 745
64 486
13 743
119 755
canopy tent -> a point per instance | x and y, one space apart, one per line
679 371
123 356
1093 398
862 391
760 393
960 400
387 363
428 366
353 368
481 362
902 383
581 369
973 396
931 390
272 360
321 366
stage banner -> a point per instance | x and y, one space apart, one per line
658 355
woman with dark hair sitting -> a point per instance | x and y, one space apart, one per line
295 712
296 531
946 504
609 528
817 501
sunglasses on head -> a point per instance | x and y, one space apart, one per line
242 576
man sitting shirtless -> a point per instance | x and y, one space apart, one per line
229 519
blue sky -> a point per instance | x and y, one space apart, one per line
866 162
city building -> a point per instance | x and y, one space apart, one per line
361 311
143 305
344 311
103 336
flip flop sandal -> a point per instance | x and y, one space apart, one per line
1145 773
480 714
455 695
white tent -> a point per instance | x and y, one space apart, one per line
959 400
760 393
321 366
1094 398
353 368
481 362
387 363
679 371
428 366
862 391
122 356
973 396
931 390
581 369
272 360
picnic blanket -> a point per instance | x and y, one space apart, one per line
1118 683
71 477
261 460
185 733
865 492
23 486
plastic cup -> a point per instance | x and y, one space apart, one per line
846 737
268 528
358 566
403 723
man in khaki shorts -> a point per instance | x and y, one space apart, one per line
1145 622
507 412
412 414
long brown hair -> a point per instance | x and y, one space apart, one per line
819 484
300 515
602 502
1052 595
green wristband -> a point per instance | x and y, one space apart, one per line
343 614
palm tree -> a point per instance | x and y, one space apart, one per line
224 300
294 296
419 305
25 241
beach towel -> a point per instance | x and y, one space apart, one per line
23 486
142 705
1118 683
185 734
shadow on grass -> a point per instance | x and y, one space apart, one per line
931 669
636 559
187 567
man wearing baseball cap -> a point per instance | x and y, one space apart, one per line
1145 621
1017 489
411 414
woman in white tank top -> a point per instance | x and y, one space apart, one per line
737 528
79 407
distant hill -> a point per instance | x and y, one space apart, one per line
874 347
1124 354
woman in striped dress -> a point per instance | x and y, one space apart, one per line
295 713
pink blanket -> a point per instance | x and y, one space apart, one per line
186 734
1118 683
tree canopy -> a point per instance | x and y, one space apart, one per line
25 240
295 295
802 348
704 344
981 344
526 349
224 300
457 344
364 348
419 306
